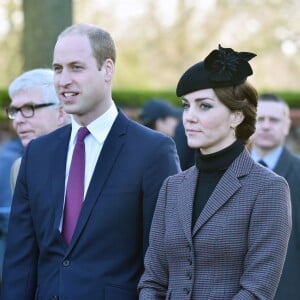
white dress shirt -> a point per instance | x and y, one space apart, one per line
99 130
271 159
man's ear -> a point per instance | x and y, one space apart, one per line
63 117
287 126
109 69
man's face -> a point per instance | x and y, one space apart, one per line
44 120
272 125
84 88
167 125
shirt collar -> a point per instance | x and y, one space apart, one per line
270 159
100 127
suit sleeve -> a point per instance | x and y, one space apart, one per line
154 282
163 163
19 270
269 232
14 173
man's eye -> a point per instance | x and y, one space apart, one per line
274 120
77 67
57 69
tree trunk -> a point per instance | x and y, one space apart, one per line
43 21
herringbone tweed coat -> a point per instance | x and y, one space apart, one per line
237 247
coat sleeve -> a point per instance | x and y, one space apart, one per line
154 282
19 270
269 232
163 163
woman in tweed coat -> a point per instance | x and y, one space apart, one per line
221 228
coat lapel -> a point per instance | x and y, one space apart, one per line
185 200
108 156
283 165
58 167
225 189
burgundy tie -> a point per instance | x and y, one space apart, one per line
75 187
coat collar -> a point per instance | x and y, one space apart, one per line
227 186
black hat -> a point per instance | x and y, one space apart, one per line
158 109
221 68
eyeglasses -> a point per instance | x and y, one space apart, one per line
26 110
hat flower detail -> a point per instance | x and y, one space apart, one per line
225 65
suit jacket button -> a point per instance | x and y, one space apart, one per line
54 298
186 290
66 263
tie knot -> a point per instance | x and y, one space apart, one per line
263 163
82 133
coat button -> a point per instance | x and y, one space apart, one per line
186 290
190 262
189 276
66 263
55 298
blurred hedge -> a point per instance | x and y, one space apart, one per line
135 98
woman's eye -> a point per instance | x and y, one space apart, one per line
184 105
205 106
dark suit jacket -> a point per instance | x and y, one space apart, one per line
237 247
288 166
185 153
105 257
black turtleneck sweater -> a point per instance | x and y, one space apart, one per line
211 168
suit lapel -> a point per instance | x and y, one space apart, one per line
283 165
108 156
58 167
185 200
225 189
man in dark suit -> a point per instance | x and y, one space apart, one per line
272 127
101 256
185 153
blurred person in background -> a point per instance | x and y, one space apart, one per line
185 153
10 150
35 110
221 228
160 115
268 148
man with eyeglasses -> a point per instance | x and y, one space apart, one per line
35 110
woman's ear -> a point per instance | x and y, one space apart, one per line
237 118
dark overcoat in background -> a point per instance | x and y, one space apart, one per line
288 166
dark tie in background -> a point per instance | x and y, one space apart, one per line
75 187
262 163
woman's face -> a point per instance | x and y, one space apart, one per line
209 124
